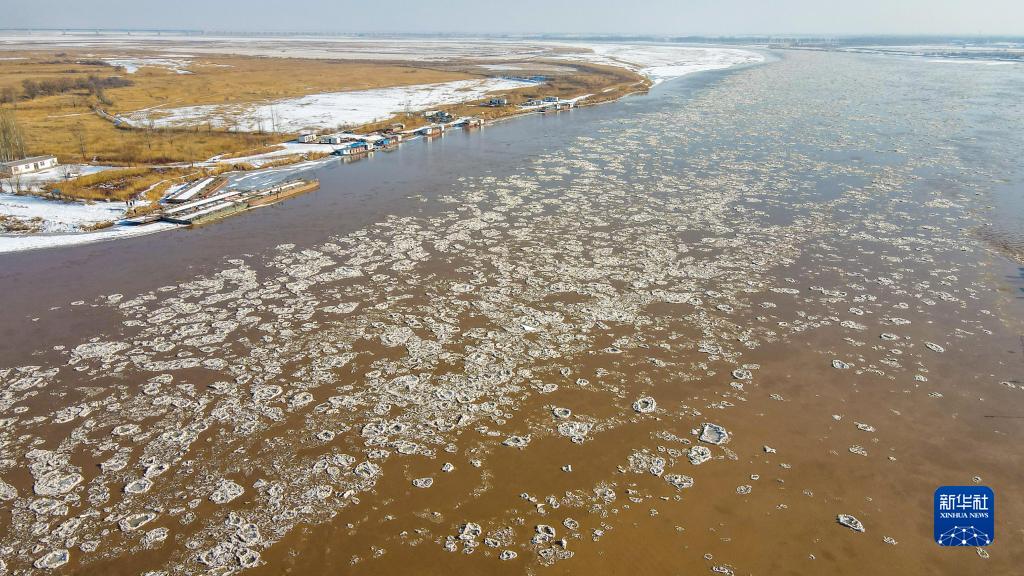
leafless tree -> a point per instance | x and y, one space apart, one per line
189 135
78 131
13 183
12 142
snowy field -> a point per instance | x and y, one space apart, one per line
53 216
289 149
131 65
38 180
328 110
659 62
59 216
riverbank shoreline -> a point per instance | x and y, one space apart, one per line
10 243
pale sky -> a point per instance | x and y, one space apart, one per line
707 17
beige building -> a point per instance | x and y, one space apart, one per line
28 165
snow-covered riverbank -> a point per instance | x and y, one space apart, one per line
57 216
20 243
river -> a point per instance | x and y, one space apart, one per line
500 351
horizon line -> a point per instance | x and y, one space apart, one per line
790 35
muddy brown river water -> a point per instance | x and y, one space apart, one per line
678 334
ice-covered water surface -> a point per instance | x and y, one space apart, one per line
661 62
598 319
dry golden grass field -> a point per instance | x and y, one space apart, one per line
68 125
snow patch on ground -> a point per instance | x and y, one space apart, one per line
50 216
290 148
38 180
525 66
132 65
14 243
327 110
59 216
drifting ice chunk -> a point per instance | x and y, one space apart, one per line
135 521
138 486
54 559
248 558
645 405
470 531
517 441
248 534
699 455
714 434
577 431
226 491
367 470
126 430
850 522
56 483
742 374
680 481
154 537
7 492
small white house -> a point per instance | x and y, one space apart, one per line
332 139
307 138
28 165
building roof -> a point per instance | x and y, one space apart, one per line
31 160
